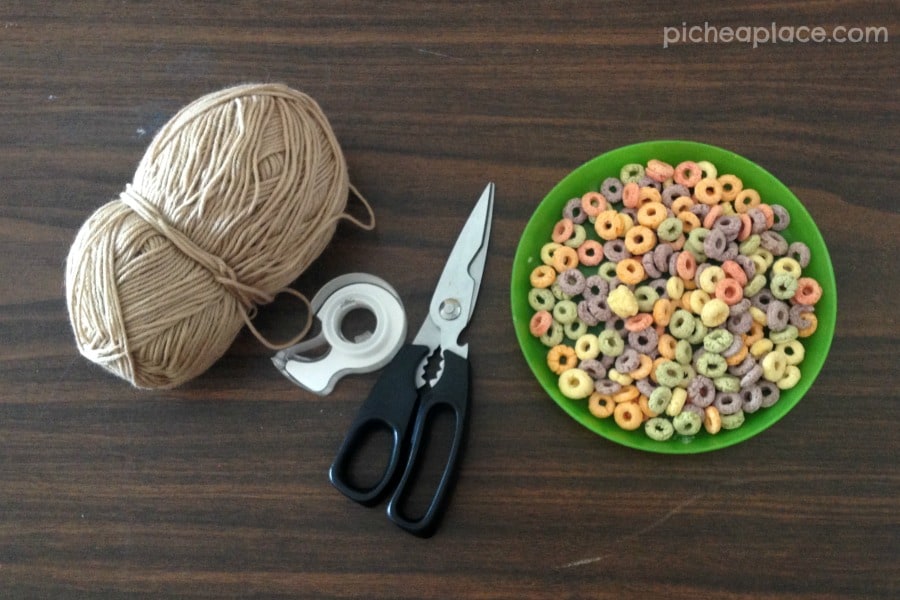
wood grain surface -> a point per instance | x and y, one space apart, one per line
219 489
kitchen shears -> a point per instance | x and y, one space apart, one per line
403 401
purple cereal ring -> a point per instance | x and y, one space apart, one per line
615 250
572 282
595 286
674 191
607 386
737 342
585 314
799 252
751 377
758 222
715 244
741 306
751 399
647 181
658 286
593 367
649 265
730 225
611 188
797 318
607 361
743 367
599 308
782 217
644 341
673 264
701 210
616 323
661 255
628 361
732 250
777 315
773 242
645 386
747 264
728 403
739 323
770 393
694 409
573 211
762 299
701 391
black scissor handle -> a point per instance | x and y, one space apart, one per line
450 392
390 405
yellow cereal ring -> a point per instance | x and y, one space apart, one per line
761 347
675 287
587 347
699 299
774 365
731 187
607 225
542 277
790 378
547 251
746 199
576 384
628 415
787 265
710 277
679 397
561 358
621 378
601 405
793 350
622 302
714 313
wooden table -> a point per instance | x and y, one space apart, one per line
218 489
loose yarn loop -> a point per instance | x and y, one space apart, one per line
234 198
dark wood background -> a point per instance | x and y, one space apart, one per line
218 489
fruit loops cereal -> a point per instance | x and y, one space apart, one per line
669 301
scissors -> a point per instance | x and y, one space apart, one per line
402 397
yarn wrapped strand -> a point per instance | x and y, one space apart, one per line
234 198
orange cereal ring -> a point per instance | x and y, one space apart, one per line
607 225
561 358
630 194
769 213
731 187
626 394
688 220
540 323
678 244
715 211
562 231
808 291
685 299
639 322
745 200
652 214
666 346
628 415
601 405
735 271
647 195
644 370
687 173
644 404
681 204
708 191
729 291
565 258
755 334
593 203
590 253
746 227
630 271
640 239
712 420
686 265
810 329
738 357
658 170
662 311
542 276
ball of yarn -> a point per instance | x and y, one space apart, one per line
234 198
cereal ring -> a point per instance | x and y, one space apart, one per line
593 203
607 386
607 225
715 211
627 362
553 337
579 235
783 286
562 230
541 299
644 369
628 415
666 346
697 300
708 191
575 329
711 365
615 250
540 323
687 173
676 404
728 403
631 172
733 270
689 221
590 253
808 291
561 358
729 291
669 373
707 169
542 277
712 420
813 323
587 347
611 343
631 193
593 367
575 384
687 423
639 322
793 351
799 252
659 399
774 365
682 324
601 405
572 282
565 312
547 251
761 347
686 265
790 379
630 271
640 239
648 195
731 187
662 311
788 334
670 229
745 200
708 276
659 170
714 313
659 429
739 356
564 258
622 301
733 421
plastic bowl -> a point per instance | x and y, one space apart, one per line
588 177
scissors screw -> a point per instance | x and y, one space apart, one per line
450 309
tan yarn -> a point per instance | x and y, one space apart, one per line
232 201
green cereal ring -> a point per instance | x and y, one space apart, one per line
711 365
659 429
684 352
749 246
687 422
700 331
575 329
707 169
695 240
578 236
733 421
768 257
554 335
670 229
541 299
659 399
611 343
688 374
783 285
682 324
558 292
793 351
727 383
669 373
632 172
718 340
646 297
755 285
788 334
565 311
547 251
607 270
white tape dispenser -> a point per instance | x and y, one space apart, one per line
318 363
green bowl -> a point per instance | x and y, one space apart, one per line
588 177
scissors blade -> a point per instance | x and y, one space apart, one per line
454 297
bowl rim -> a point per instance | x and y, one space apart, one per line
611 161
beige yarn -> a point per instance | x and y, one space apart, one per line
232 201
